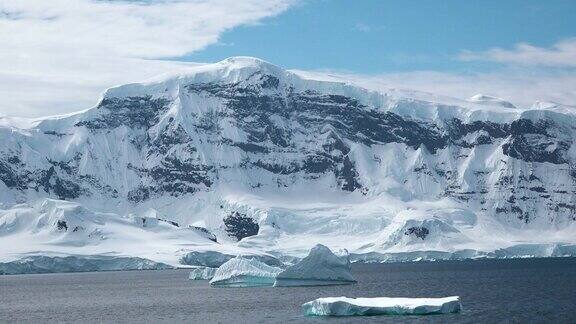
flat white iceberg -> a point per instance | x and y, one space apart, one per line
344 306
320 268
244 272
202 273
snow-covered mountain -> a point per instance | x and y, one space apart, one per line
176 169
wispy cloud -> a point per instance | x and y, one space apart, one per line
531 74
366 28
517 86
562 54
57 56
59 53
362 27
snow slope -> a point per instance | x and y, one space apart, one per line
243 157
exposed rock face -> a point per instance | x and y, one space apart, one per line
204 232
239 226
418 231
62 226
258 127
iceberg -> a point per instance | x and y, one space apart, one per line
214 259
202 273
320 268
244 272
209 259
343 306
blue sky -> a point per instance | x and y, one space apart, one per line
375 36
58 56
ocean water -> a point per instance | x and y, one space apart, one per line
517 291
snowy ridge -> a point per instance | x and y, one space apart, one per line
243 157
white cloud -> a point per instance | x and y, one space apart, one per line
531 74
521 87
366 28
57 56
362 27
562 54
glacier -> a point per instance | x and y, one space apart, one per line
343 306
244 272
320 267
242 157
34 264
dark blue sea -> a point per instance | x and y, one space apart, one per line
492 291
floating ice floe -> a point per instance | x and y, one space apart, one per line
244 272
202 273
321 267
344 306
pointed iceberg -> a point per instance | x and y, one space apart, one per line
343 306
244 272
320 268
202 273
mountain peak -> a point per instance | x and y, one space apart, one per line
245 61
231 70
244 146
